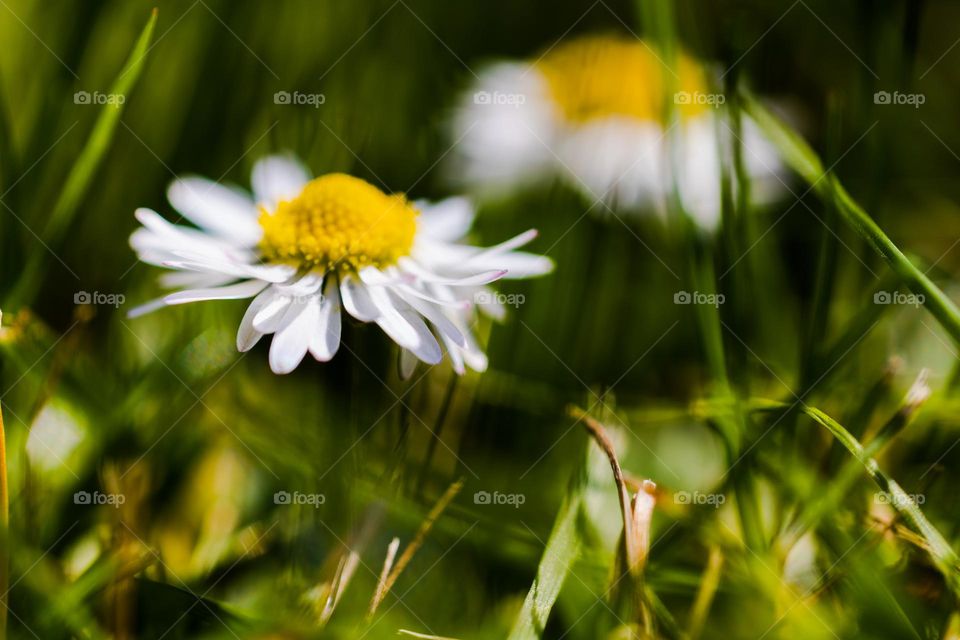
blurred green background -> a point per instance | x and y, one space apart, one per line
198 438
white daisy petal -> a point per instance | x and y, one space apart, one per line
408 364
399 321
278 177
271 273
192 279
517 264
326 335
455 354
225 211
474 279
292 339
435 316
461 305
158 240
246 289
268 317
448 220
376 277
247 334
356 299
147 307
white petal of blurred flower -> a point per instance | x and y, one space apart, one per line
589 111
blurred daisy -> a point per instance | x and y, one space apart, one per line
591 110
305 248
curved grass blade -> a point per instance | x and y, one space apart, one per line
802 159
944 557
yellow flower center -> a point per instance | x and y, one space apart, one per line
599 76
339 222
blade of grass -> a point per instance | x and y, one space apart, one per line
844 479
415 544
562 549
943 555
802 159
81 174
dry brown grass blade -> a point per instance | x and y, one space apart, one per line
638 511
384 574
417 541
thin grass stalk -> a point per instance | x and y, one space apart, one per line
801 158
417 541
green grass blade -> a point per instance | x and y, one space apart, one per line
92 155
802 159
563 548
81 175
944 557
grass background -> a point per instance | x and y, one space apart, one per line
198 438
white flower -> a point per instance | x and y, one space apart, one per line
590 111
305 249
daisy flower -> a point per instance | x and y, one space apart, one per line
590 111
307 249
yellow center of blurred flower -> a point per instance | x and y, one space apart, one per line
600 76
339 222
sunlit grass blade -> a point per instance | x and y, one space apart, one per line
802 159
944 557
82 173
563 548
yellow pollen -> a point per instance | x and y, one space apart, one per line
600 76
339 222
